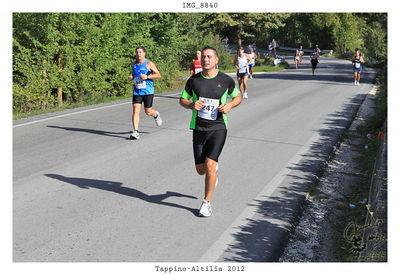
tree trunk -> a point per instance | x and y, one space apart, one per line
59 96
59 91
45 98
239 37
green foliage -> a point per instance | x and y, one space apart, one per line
89 55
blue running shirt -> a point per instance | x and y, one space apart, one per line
142 87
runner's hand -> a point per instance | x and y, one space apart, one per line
198 104
143 77
225 108
130 78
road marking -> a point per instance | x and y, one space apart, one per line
69 114
79 112
228 237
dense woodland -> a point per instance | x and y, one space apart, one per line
64 58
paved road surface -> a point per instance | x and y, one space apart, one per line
83 192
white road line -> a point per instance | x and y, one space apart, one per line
79 112
69 114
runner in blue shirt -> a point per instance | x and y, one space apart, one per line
143 73
357 66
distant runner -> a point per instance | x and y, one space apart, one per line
209 91
297 58
357 66
242 61
317 49
253 57
274 44
270 48
143 73
314 60
301 52
196 64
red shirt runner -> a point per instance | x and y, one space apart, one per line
197 67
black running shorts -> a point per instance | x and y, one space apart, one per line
314 63
208 144
241 75
147 99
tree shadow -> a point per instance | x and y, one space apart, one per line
117 187
96 132
265 235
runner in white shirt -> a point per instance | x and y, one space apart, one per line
253 57
242 61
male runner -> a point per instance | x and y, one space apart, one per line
241 62
209 90
143 73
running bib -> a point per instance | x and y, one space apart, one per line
198 70
139 83
357 65
210 109
242 70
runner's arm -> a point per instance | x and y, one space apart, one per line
227 107
188 104
151 66
130 78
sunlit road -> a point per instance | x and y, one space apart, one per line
83 192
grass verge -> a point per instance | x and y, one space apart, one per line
348 226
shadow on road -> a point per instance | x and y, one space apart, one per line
123 135
117 187
264 236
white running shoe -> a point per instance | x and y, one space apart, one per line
358 83
355 83
251 77
158 119
245 95
134 135
205 209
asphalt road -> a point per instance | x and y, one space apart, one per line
83 192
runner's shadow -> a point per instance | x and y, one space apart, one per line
167 96
117 187
96 132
